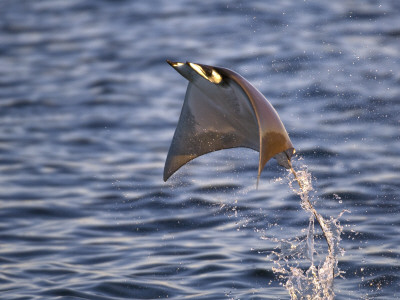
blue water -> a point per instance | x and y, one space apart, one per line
88 108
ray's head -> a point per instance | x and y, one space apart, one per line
190 70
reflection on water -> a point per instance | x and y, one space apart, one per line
88 108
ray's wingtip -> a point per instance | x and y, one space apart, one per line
166 176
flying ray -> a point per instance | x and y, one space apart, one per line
223 110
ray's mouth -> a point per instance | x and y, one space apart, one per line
207 72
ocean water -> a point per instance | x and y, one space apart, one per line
88 108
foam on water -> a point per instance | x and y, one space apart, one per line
308 271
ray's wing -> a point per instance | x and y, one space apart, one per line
222 110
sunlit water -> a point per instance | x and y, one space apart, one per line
88 107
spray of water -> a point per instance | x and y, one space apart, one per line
306 273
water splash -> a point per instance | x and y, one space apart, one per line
306 272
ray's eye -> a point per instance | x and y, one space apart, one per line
208 73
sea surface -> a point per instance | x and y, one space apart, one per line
88 108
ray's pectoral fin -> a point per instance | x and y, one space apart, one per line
206 125
222 110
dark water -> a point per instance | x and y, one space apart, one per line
88 108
